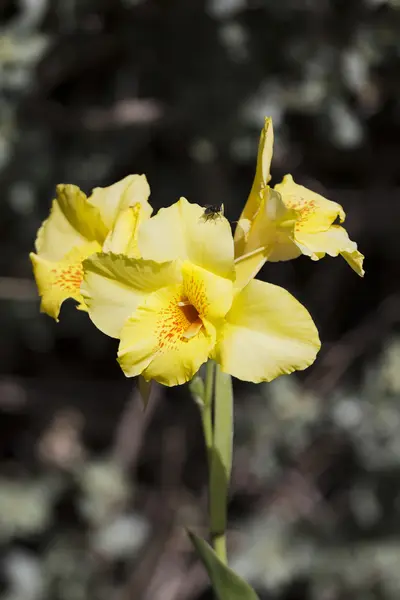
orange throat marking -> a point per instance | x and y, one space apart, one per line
68 278
179 322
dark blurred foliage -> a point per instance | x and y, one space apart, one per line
94 494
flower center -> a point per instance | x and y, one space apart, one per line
180 322
193 319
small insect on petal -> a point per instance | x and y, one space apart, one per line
213 213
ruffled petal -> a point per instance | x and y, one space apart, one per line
181 232
114 285
267 333
58 281
355 259
313 213
335 241
73 222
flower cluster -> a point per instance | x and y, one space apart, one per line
176 288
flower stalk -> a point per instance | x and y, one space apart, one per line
207 410
218 435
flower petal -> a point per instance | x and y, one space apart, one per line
72 223
57 281
355 259
152 342
248 265
335 241
211 294
180 231
123 238
314 213
269 238
129 191
267 333
262 228
84 217
261 179
114 285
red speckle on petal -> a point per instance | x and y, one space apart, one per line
69 278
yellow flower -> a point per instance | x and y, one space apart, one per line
283 222
78 227
177 306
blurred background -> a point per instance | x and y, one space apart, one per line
94 493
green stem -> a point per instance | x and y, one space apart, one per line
218 439
206 409
221 463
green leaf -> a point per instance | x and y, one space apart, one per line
226 584
144 390
197 390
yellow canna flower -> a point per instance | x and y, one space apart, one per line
177 306
283 222
78 227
